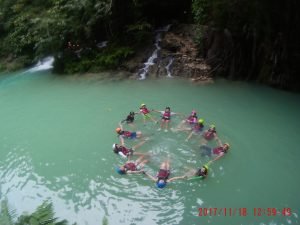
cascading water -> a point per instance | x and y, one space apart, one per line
168 67
151 60
44 64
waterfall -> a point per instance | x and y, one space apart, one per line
44 64
168 67
151 60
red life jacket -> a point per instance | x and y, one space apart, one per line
163 174
167 115
219 150
130 166
126 134
144 110
209 134
192 119
124 150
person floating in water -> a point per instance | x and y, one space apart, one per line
162 177
196 129
165 118
201 173
209 134
127 134
132 167
129 119
192 118
127 152
217 152
146 113
190 121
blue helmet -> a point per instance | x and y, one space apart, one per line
161 184
119 171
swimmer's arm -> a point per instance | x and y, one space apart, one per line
177 178
216 137
190 135
122 121
154 110
219 141
135 172
138 145
218 157
122 140
177 113
150 176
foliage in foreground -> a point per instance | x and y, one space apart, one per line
44 214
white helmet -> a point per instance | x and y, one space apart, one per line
114 146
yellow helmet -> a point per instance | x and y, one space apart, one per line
212 126
201 121
143 104
227 145
118 130
206 167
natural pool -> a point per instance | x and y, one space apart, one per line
56 136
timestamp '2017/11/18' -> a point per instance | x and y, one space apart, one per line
244 212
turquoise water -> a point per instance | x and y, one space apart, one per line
56 136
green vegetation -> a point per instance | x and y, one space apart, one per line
44 214
252 40
69 30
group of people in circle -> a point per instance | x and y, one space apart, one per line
190 124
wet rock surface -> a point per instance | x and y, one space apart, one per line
175 54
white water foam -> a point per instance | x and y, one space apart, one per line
151 59
44 64
168 67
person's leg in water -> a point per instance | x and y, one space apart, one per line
138 134
141 154
144 118
141 161
148 116
190 135
139 145
162 122
167 124
165 165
